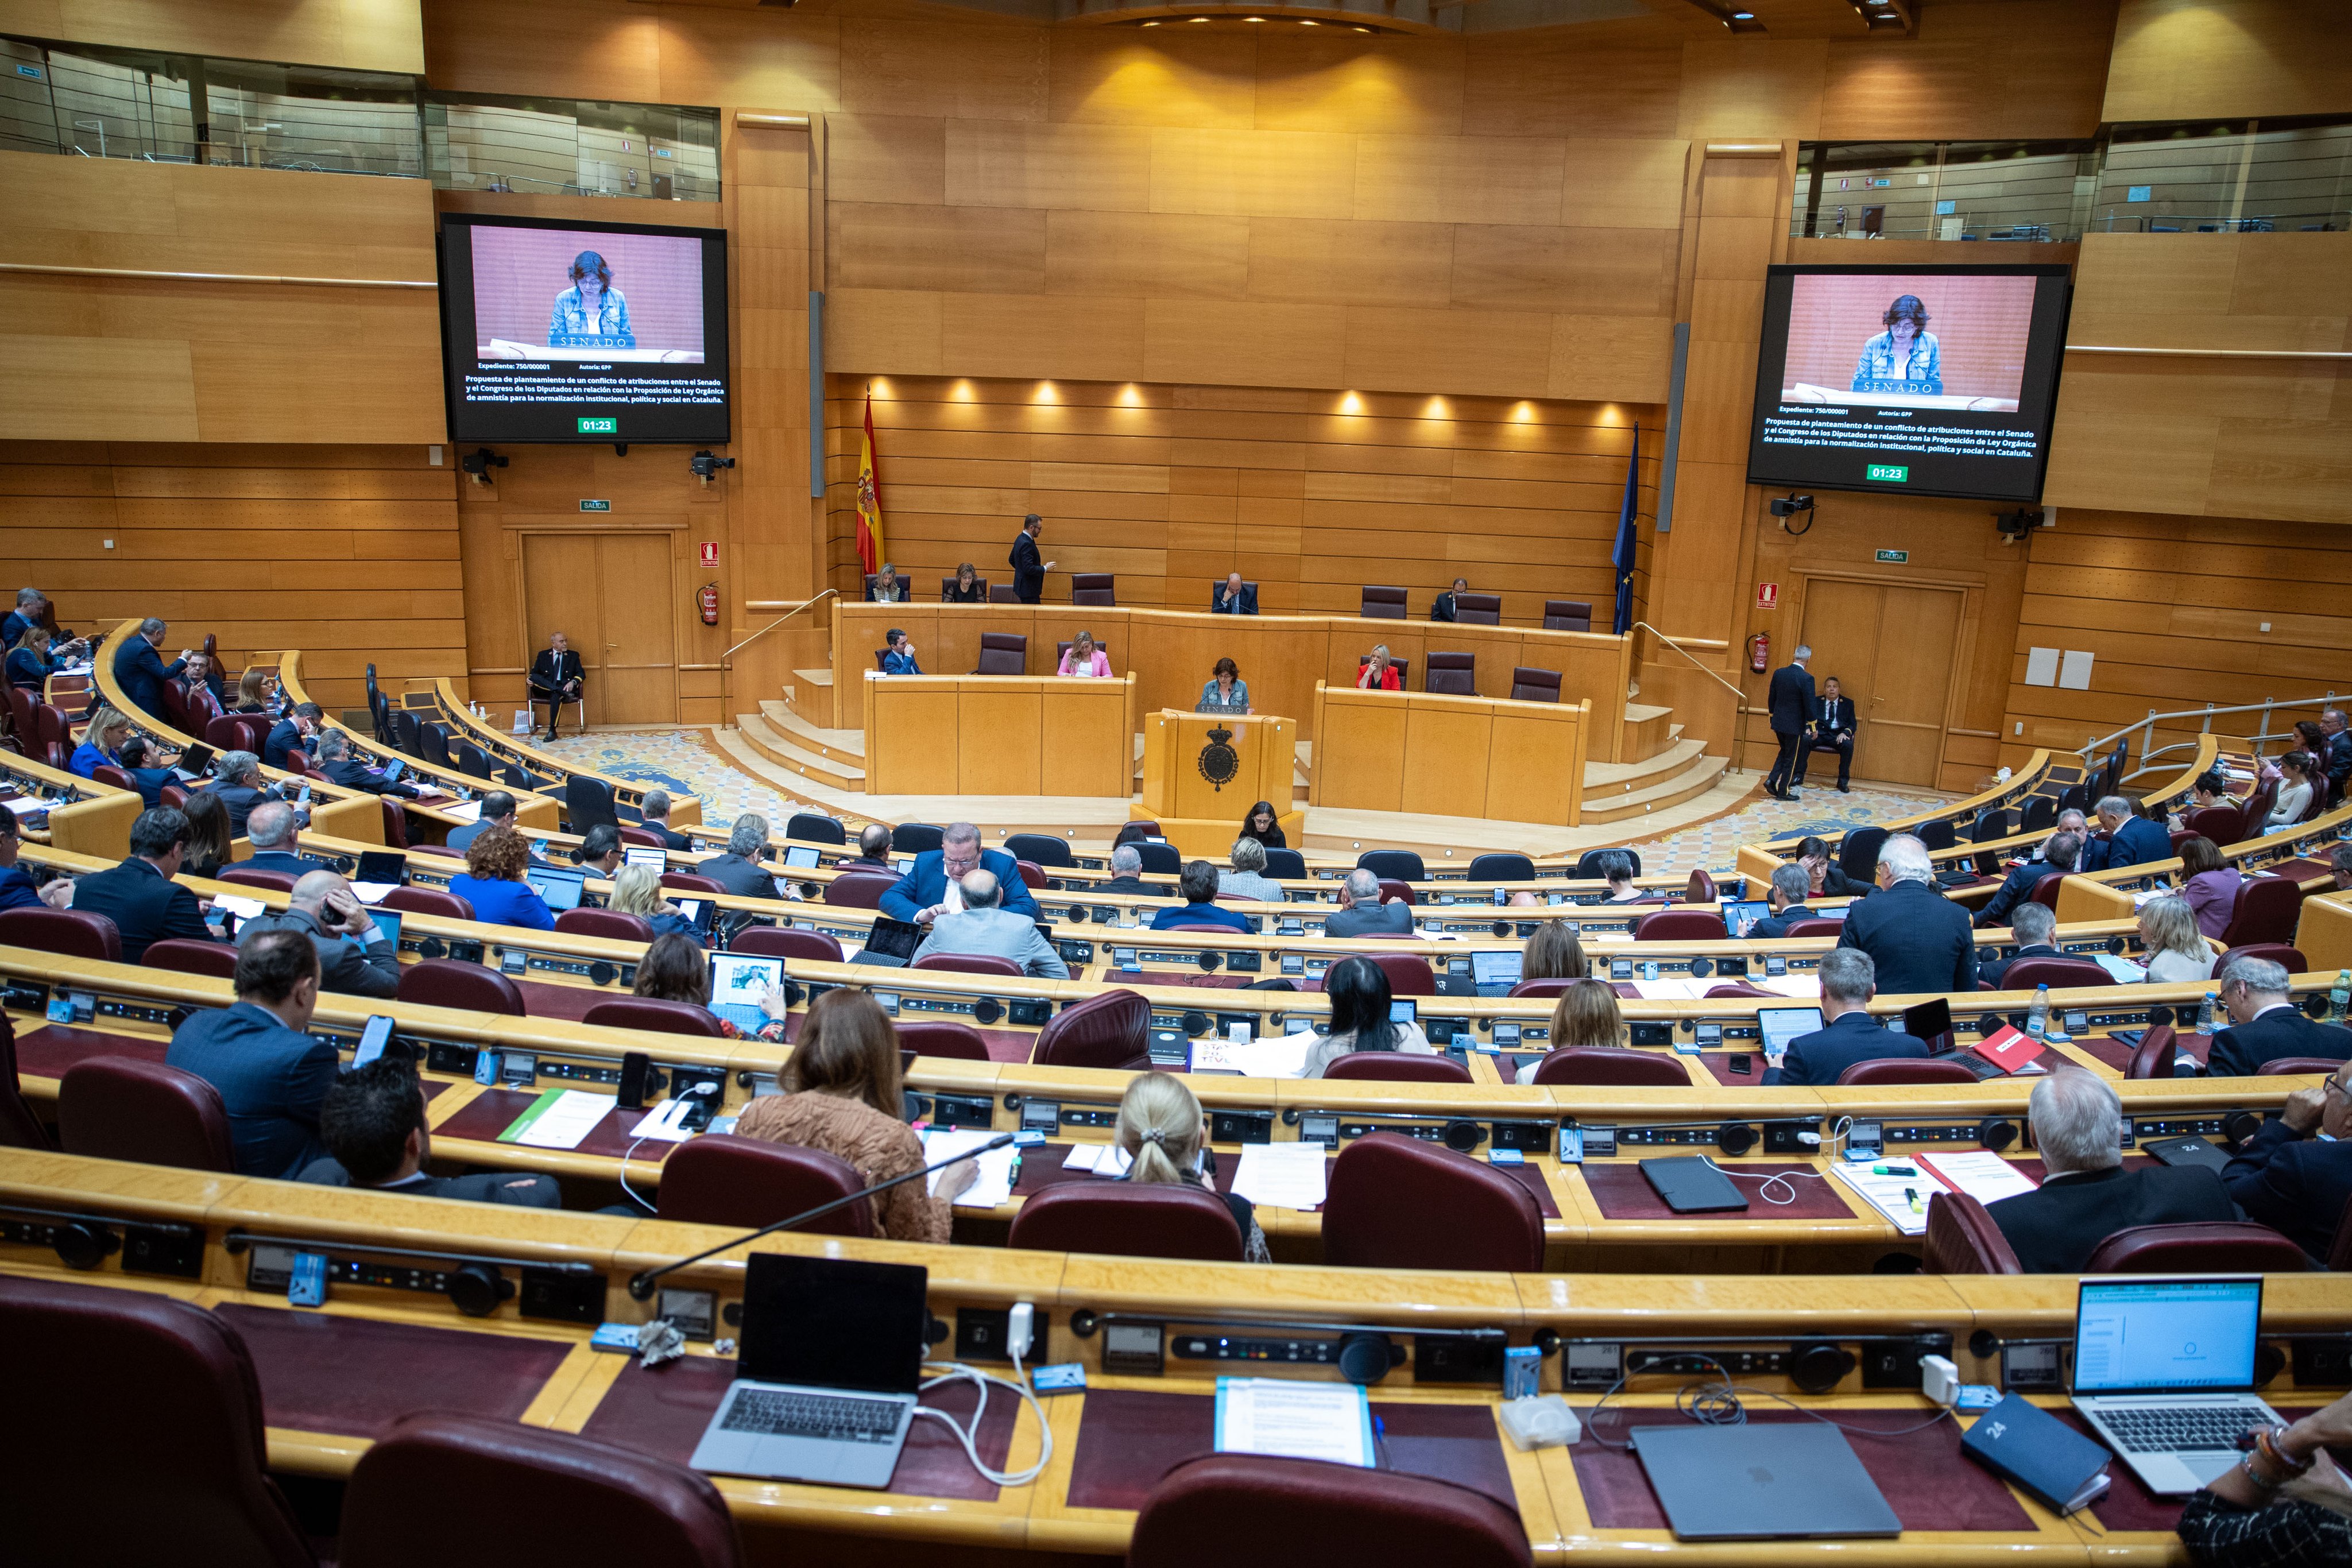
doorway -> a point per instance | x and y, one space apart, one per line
610 594
1893 648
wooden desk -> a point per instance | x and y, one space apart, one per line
1000 735
1199 815
1452 756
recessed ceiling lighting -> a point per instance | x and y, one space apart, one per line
1252 18
1196 18
1743 15
1304 22
1363 29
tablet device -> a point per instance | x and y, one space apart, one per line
800 857
558 887
393 770
1690 1185
891 942
388 922
1739 915
382 866
1779 1026
1402 1009
651 855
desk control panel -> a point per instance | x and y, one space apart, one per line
1812 1366
87 1241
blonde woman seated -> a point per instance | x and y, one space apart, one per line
1553 953
841 1096
1359 989
638 890
1247 879
674 970
2176 951
1379 674
1162 1130
1586 1016
1083 658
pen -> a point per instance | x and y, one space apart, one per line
1911 1197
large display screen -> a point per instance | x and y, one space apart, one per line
561 331
1918 380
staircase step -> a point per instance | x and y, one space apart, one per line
1647 730
789 755
1696 779
1613 778
835 744
822 677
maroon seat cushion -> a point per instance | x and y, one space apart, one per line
127 1108
429 901
780 942
1680 926
745 1183
652 1016
1409 974
969 964
689 882
1962 1238
2058 974
1907 1070
1247 1511
1398 1067
2205 1248
2267 910
1133 1220
859 890
1590 1064
186 956
1394 1202
253 876
1111 1030
447 983
956 1041
610 924
74 933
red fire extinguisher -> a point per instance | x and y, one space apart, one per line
708 601
1759 652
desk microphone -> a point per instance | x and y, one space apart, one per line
641 1284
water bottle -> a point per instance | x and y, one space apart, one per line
2207 1012
2340 996
2037 1014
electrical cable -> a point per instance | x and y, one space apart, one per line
636 1197
1775 1179
1718 1405
1019 1384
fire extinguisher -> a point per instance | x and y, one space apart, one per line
708 601
1759 652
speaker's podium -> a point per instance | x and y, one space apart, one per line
1203 771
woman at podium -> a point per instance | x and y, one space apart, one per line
1225 691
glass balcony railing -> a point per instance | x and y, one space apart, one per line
2251 176
573 148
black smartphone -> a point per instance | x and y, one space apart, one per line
634 1066
1743 1063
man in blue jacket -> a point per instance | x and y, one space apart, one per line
2131 840
2292 1182
141 672
1849 980
292 731
1919 942
140 895
272 1076
929 891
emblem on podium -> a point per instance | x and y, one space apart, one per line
1220 762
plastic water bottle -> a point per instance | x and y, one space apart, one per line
2207 1012
2037 1014
2340 996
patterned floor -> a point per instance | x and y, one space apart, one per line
683 762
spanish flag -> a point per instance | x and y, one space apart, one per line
869 497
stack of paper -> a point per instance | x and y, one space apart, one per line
1981 1174
1328 1421
1281 1176
1790 985
1903 1199
992 1185
464 810
2125 972
1101 1159
559 1119
1283 1056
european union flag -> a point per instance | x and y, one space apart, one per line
1622 557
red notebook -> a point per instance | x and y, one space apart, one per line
2008 1049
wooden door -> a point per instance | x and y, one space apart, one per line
1893 648
558 578
637 669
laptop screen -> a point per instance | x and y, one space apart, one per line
897 938
645 854
196 759
388 922
382 865
740 979
2154 1335
1782 1025
1739 914
800 857
833 1322
558 888
1493 967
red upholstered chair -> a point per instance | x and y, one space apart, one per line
185 956
1094 587
1131 1219
1245 1510
557 1499
1409 974
1738 989
1210 928
781 942
1033 875
650 1015
128 1108
75 933
2222 824
688 882
1398 1067
2045 891
443 851
1607 1065
297 762
859 890
2298 1066
969 964
231 732
1681 925
2276 952
105 774
243 876
1815 927
187 1482
396 824
1700 889
1530 685
612 924
429 901
2238 1247
1551 987
1963 1239
1452 675
2058 974
2267 910
1567 615
745 1183
2339 1256
447 983
172 795
1478 609
1395 1202
2154 1056
953 1042
1111 1030
1395 892
1002 654
645 838
19 1127
1383 603
1907 1070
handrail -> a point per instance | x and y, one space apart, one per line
787 615
2088 750
1686 653
49 270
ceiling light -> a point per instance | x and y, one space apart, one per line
1252 18
1196 18
1743 15
1363 29
1304 22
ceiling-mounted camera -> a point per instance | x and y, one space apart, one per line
478 463
706 466
1787 506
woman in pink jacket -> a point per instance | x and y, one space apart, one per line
1083 658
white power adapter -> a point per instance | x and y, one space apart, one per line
1020 1325
1540 1421
1939 1380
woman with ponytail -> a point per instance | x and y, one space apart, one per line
1160 1129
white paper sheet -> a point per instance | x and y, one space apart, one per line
1102 1159
1281 1176
991 1186
1326 1421
27 805
1285 1056
667 1123
1884 1193
1981 1174
1674 988
243 908
1790 985
464 810
371 891
567 1121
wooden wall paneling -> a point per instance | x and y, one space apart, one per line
2216 60
1600 79
1989 71
605 49
355 35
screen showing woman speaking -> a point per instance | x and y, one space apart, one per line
558 331
1922 380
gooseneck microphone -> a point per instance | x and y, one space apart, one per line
641 1284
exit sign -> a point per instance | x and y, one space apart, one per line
1882 473
595 506
608 425
1894 557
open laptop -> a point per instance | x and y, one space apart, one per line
738 981
558 887
2164 1372
1739 914
891 943
382 866
1777 1481
828 1374
1495 970
194 762
651 855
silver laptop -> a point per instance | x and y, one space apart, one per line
2164 1372
1776 1481
738 981
827 1376
651 855
558 887
1495 970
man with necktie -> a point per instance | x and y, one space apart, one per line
1792 706
1832 730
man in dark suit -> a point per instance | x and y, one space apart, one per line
140 671
1790 701
271 1074
1234 596
1028 572
148 780
2131 840
2058 858
2087 1195
873 851
337 764
138 896
1920 940
372 1124
1847 985
1791 885
236 780
276 839
302 723
653 813
929 891
1126 875
2033 926
556 676
355 958
2336 759
2264 1023
741 871
1832 730
1442 608
2297 1184
32 610
497 810
1361 913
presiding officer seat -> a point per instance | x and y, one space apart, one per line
1131 1219
1530 685
745 1183
1094 587
1002 654
185 1480
1568 615
1394 1202
1478 609
1249 1511
1452 675
128 1108
1383 603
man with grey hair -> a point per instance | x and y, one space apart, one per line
2131 839
1919 940
1791 886
276 836
653 813
141 672
338 766
2264 1023
1361 913
739 871
1794 707
982 928
1247 877
2293 1182
236 780
354 955
2033 926
32 610
2086 1194
1849 980
1127 873
933 887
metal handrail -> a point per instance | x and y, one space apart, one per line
2145 728
779 621
1686 653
